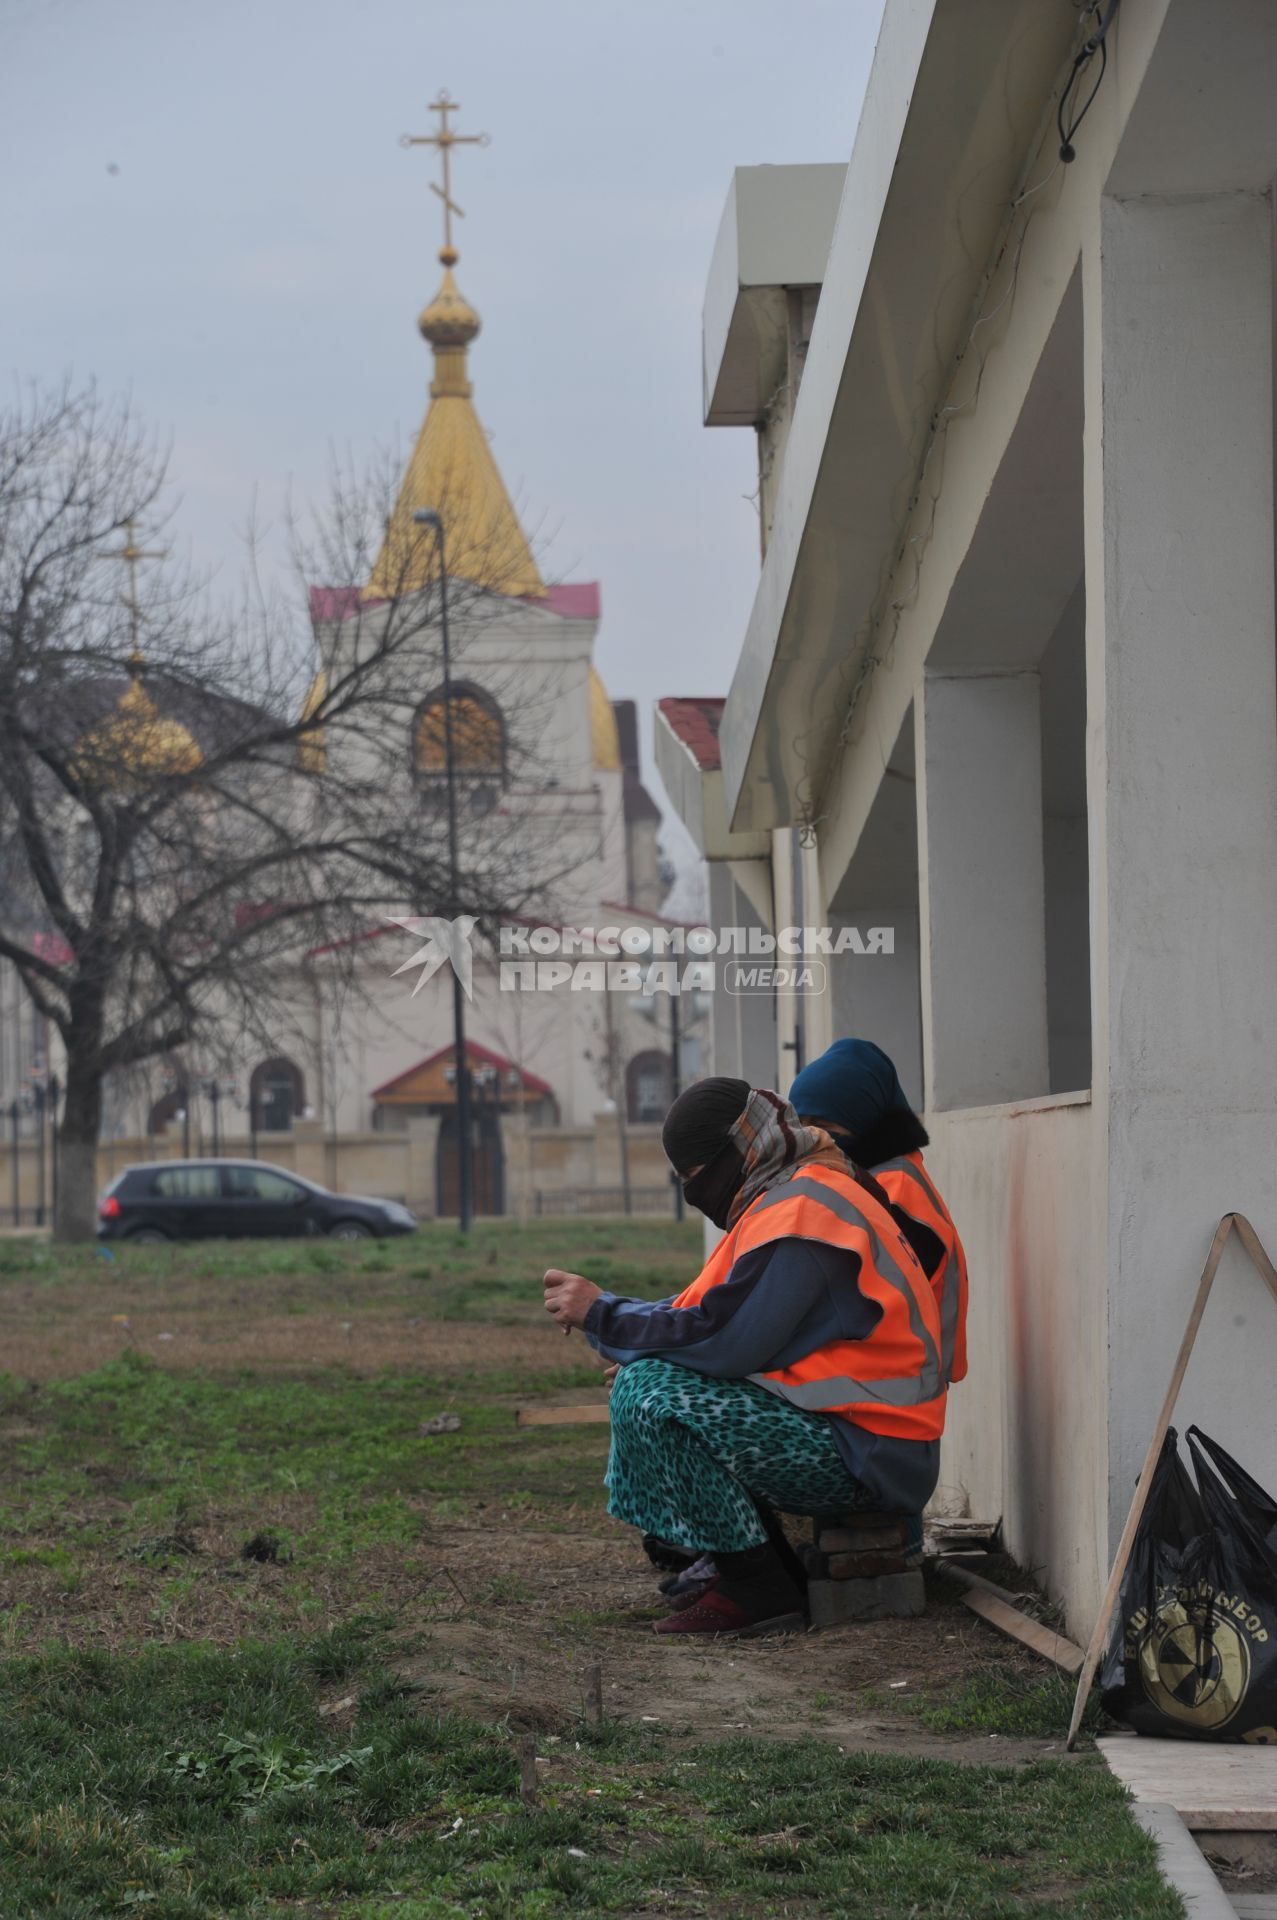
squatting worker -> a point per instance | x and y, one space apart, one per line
853 1093
800 1370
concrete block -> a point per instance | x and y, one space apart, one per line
896 1596
848 1539
865 1566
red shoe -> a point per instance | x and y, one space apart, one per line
715 1614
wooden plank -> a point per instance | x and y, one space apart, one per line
590 1416
968 1577
1214 1785
954 1535
1268 1274
1099 1632
1230 1819
1030 1633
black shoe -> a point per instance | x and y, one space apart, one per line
666 1558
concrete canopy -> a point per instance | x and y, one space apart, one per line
956 93
774 235
693 780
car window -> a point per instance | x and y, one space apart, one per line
188 1183
259 1183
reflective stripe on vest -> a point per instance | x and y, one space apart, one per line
839 1377
909 1186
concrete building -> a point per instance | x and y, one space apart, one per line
1009 687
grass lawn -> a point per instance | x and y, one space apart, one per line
329 1724
205 1782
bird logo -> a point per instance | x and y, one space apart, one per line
442 940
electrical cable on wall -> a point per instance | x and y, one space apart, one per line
1098 43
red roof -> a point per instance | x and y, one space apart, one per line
645 913
51 947
570 599
334 603
474 1052
696 724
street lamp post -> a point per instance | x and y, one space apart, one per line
39 1094
15 1145
428 517
55 1091
216 1093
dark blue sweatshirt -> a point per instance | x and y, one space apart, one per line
778 1303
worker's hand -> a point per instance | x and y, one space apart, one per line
569 1297
610 1373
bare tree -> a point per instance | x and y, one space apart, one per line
177 823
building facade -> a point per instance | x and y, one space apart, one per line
1009 688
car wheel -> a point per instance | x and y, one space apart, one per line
149 1237
350 1230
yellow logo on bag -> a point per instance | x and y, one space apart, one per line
1194 1657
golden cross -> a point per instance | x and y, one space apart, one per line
445 139
131 554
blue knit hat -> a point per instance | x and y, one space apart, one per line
853 1084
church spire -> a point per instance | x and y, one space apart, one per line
452 468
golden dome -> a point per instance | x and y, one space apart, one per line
449 320
312 747
452 471
605 741
135 742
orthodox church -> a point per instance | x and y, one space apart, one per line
537 742
358 1084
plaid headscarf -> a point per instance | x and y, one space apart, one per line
771 1140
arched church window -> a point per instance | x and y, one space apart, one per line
478 739
278 1094
165 1110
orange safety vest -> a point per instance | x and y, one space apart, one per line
891 1381
909 1186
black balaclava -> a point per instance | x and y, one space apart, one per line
697 1133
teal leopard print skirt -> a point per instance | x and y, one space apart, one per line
692 1456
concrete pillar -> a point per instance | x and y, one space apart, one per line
787 892
743 1022
982 896
421 1183
818 1000
1182 791
874 996
309 1150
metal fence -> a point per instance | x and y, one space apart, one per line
578 1200
14 1218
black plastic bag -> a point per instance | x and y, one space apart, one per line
1193 1653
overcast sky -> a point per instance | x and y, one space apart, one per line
207 206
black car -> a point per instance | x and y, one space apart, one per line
232 1199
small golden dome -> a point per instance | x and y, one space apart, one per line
136 742
605 741
312 747
449 320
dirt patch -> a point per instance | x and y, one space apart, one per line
503 1578
505 1621
514 1628
1244 1863
81 1339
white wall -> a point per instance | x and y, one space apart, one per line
1183 788
875 995
1026 1438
